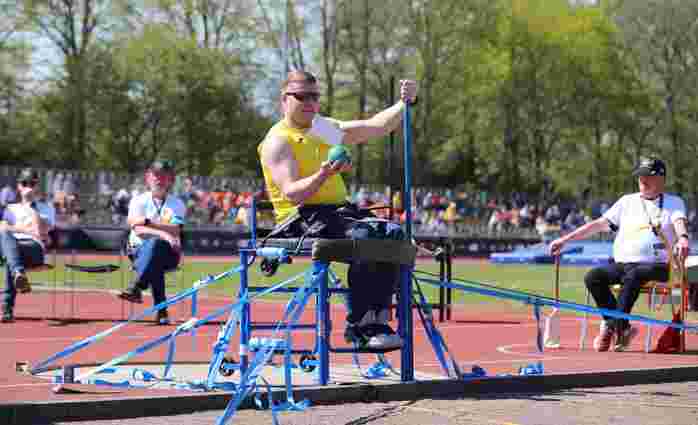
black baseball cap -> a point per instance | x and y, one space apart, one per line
27 175
650 166
161 165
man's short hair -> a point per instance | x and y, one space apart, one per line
298 76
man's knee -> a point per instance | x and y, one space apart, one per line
634 279
156 245
595 277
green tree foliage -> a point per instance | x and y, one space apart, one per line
515 95
187 104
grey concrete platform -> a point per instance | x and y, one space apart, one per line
348 386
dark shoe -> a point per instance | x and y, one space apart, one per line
353 335
604 339
163 318
7 315
625 338
381 337
373 332
22 283
132 295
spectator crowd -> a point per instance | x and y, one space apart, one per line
103 199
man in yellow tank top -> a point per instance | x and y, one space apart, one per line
299 179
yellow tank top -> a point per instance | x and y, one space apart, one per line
310 152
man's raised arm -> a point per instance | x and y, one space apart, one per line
381 124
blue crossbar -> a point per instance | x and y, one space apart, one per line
526 298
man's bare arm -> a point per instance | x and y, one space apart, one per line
591 228
382 123
379 125
158 229
683 246
172 229
680 226
139 220
277 156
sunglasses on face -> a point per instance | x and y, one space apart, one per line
28 183
305 97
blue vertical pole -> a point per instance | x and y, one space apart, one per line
407 185
323 322
246 320
253 225
245 315
405 307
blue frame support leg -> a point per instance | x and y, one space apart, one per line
323 322
406 325
405 307
245 319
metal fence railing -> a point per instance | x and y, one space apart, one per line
101 198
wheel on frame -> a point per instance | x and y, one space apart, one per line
307 362
227 366
268 267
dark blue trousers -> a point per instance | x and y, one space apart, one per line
151 260
631 275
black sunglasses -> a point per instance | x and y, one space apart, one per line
29 183
305 97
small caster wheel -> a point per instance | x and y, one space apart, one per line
228 366
269 267
307 362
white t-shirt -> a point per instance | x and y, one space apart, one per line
22 214
327 129
636 242
172 211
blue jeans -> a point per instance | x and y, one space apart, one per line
151 260
19 254
631 275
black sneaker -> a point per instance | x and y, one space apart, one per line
132 295
353 335
625 337
381 337
7 315
372 336
22 283
163 318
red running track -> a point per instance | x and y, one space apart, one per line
500 342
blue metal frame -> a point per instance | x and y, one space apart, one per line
323 325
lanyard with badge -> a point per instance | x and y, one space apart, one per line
656 228
158 209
